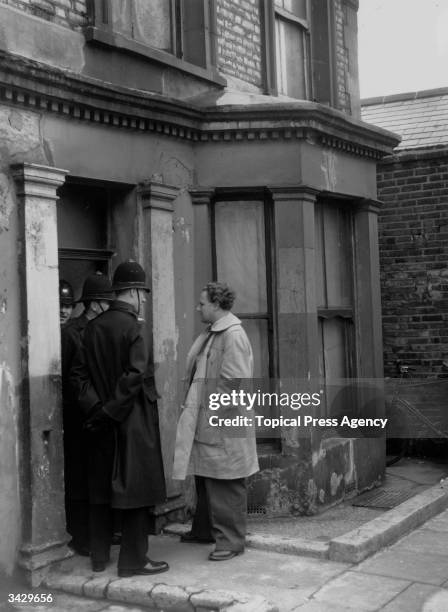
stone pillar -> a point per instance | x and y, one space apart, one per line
368 290
370 339
157 202
297 323
296 292
40 421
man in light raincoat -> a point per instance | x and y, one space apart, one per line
219 361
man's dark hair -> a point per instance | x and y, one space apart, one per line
221 294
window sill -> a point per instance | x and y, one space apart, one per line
121 43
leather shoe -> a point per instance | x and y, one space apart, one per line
190 538
152 567
224 555
98 566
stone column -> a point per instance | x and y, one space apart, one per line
40 421
370 340
296 292
297 325
368 289
157 202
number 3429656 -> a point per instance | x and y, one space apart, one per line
30 598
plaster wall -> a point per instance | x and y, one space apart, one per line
20 139
285 163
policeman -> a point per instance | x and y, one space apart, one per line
66 301
96 296
118 397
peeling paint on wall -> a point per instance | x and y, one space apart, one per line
328 168
9 484
181 226
335 481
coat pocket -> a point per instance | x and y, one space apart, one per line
206 433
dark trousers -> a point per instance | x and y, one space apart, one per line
77 519
134 536
221 512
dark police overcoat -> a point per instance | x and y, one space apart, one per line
115 374
75 458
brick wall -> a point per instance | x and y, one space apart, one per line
239 39
413 228
68 13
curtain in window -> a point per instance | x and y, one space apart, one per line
145 21
291 58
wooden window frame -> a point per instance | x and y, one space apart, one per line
322 85
269 14
344 313
101 32
252 194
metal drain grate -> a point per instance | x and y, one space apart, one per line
383 498
256 510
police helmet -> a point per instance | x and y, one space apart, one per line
66 295
129 275
97 287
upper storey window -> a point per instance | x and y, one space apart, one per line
292 48
180 33
299 42
149 23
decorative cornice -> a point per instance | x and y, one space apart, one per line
27 83
201 195
157 195
369 205
286 193
37 181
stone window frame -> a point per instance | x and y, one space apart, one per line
202 62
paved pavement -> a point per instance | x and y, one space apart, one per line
410 576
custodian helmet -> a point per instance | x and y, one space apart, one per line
129 275
66 295
97 287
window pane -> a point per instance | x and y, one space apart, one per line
152 23
334 355
290 56
121 12
145 22
296 7
257 330
240 253
337 256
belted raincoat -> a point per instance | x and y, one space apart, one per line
220 360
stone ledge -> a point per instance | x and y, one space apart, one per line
362 542
273 543
156 595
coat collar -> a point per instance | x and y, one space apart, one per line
224 323
123 306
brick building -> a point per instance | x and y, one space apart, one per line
205 139
413 225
